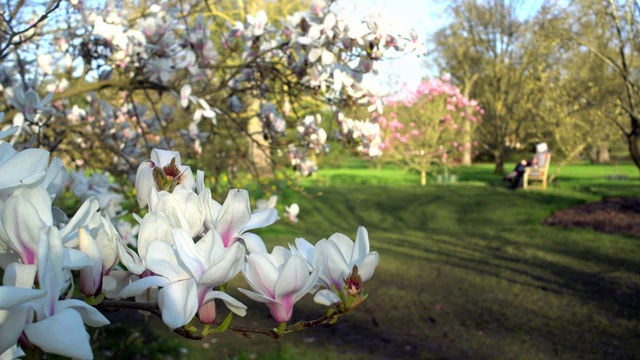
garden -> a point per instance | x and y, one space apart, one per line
195 180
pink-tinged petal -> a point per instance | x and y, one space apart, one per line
154 227
62 334
12 322
234 215
138 287
261 218
19 275
281 312
21 228
261 274
144 182
11 296
234 305
225 268
25 168
50 266
253 243
90 277
293 278
163 157
163 260
178 302
326 297
41 200
368 265
361 246
330 259
90 315
187 252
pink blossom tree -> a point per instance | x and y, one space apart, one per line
425 126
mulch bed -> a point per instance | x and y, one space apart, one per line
612 215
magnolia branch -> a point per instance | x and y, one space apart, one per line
190 332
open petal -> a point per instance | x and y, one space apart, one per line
361 246
88 215
292 279
261 274
139 286
234 215
163 157
11 296
326 297
26 167
19 275
331 260
21 226
256 297
187 252
178 302
62 334
225 268
163 260
234 305
261 218
12 322
368 265
154 227
90 315
253 242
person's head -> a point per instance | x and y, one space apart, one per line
542 147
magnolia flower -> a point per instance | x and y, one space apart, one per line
21 168
263 204
187 272
14 311
29 102
235 219
58 326
338 257
278 279
257 23
163 172
292 212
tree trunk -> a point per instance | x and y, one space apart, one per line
466 143
499 161
593 155
634 151
603 153
423 178
259 152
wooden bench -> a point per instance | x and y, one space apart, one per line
537 174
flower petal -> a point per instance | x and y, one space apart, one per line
90 315
178 302
326 297
62 334
225 268
234 215
162 259
139 286
234 305
261 218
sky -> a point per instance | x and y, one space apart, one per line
426 17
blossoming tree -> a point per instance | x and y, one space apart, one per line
425 126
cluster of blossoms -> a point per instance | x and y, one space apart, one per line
313 54
188 247
364 134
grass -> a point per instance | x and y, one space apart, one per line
466 271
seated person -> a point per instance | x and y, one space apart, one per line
539 160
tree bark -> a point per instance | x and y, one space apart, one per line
632 141
603 153
466 143
423 178
499 161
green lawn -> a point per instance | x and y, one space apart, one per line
466 271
